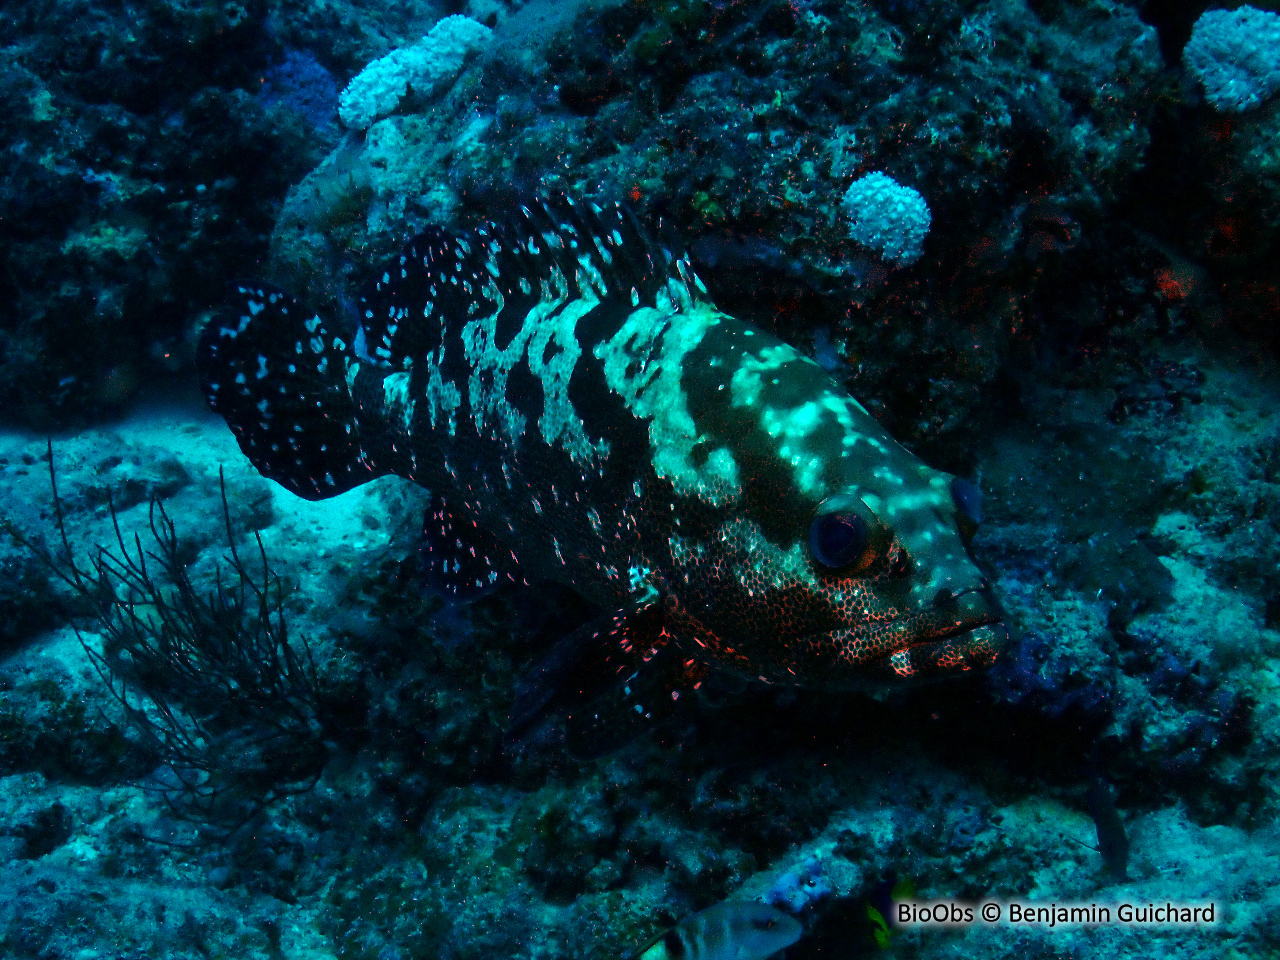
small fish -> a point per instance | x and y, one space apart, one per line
742 930
582 413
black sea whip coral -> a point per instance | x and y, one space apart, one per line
210 681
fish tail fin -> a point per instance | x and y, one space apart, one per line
277 374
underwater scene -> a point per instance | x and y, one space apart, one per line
639 479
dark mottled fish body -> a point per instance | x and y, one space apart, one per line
581 413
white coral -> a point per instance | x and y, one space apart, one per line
887 217
426 67
1236 55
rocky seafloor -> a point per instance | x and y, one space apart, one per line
1090 333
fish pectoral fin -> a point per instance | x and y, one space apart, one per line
629 704
605 684
461 558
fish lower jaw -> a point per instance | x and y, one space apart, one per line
915 645
967 647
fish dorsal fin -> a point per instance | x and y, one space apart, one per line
546 250
461 558
403 310
602 249
737 929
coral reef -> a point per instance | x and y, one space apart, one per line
423 68
220 696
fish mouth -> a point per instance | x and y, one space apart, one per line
965 633
963 613
961 650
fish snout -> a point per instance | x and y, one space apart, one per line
952 587
975 599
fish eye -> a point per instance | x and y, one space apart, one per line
845 534
838 539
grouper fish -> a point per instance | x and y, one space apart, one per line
581 412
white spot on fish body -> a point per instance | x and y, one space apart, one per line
643 362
